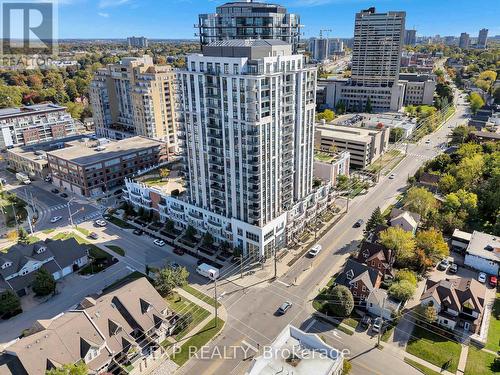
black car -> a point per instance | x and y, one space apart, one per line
93 236
64 195
55 191
138 232
358 223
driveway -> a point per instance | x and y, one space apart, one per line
72 290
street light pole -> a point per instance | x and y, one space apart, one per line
69 211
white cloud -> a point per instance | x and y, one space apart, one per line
102 14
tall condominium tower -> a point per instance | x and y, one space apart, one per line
376 54
464 41
137 42
482 39
249 20
135 97
410 37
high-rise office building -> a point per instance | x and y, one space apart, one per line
137 42
135 97
410 37
247 112
376 59
249 20
482 39
464 41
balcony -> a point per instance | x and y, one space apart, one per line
177 209
195 215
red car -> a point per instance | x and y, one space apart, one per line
493 281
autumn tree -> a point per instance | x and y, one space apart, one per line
469 171
420 201
401 241
401 290
426 314
476 102
431 241
447 183
327 115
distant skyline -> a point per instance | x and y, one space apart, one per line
174 19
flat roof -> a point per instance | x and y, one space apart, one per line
457 233
484 245
34 156
346 132
82 153
29 110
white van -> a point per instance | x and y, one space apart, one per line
208 271
315 250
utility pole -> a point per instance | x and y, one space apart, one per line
381 323
275 263
69 212
215 297
241 266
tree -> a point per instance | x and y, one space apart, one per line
427 313
190 232
476 102
170 225
164 173
22 234
75 109
406 274
460 134
468 150
431 241
420 201
208 239
469 171
347 366
341 302
461 200
396 134
375 219
169 278
10 96
9 304
368 106
401 290
399 240
13 235
44 283
447 183
327 115
79 368
342 182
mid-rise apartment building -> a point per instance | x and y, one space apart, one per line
29 125
247 110
418 88
464 41
135 97
137 42
249 20
482 39
376 59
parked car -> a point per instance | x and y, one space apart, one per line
178 251
453 268
55 191
55 219
493 281
138 232
443 265
64 195
359 223
315 250
377 324
481 277
48 179
175 265
284 307
93 236
392 176
159 242
366 321
101 223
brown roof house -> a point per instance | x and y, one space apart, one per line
359 278
377 256
123 328
459 302
19 265
430 181
404 219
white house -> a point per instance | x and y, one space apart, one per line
483 253
404 219
379 303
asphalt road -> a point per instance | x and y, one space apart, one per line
251 312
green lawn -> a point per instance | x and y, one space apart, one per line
420 367
116 249
206 334
83 231
182 305
434 348
48 231
33 239
324 156
200 295
387 333
481 363
493 342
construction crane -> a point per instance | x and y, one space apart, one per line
324 30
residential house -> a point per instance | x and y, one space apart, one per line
359 278
60 258
460 240
374 235
379 303
459 302
483 253
404 219
430 181
377 256
120 329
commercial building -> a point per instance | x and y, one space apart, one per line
137 42
122 329
418 88
483 253
91 168
365 145
247 141
376 59
249 20
464 41
300 353
319 48
33 163
410 37
328 166
135 97
34 124
482 39
391 120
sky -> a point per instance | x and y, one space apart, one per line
174 19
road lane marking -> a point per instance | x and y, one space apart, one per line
249 345
282 282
